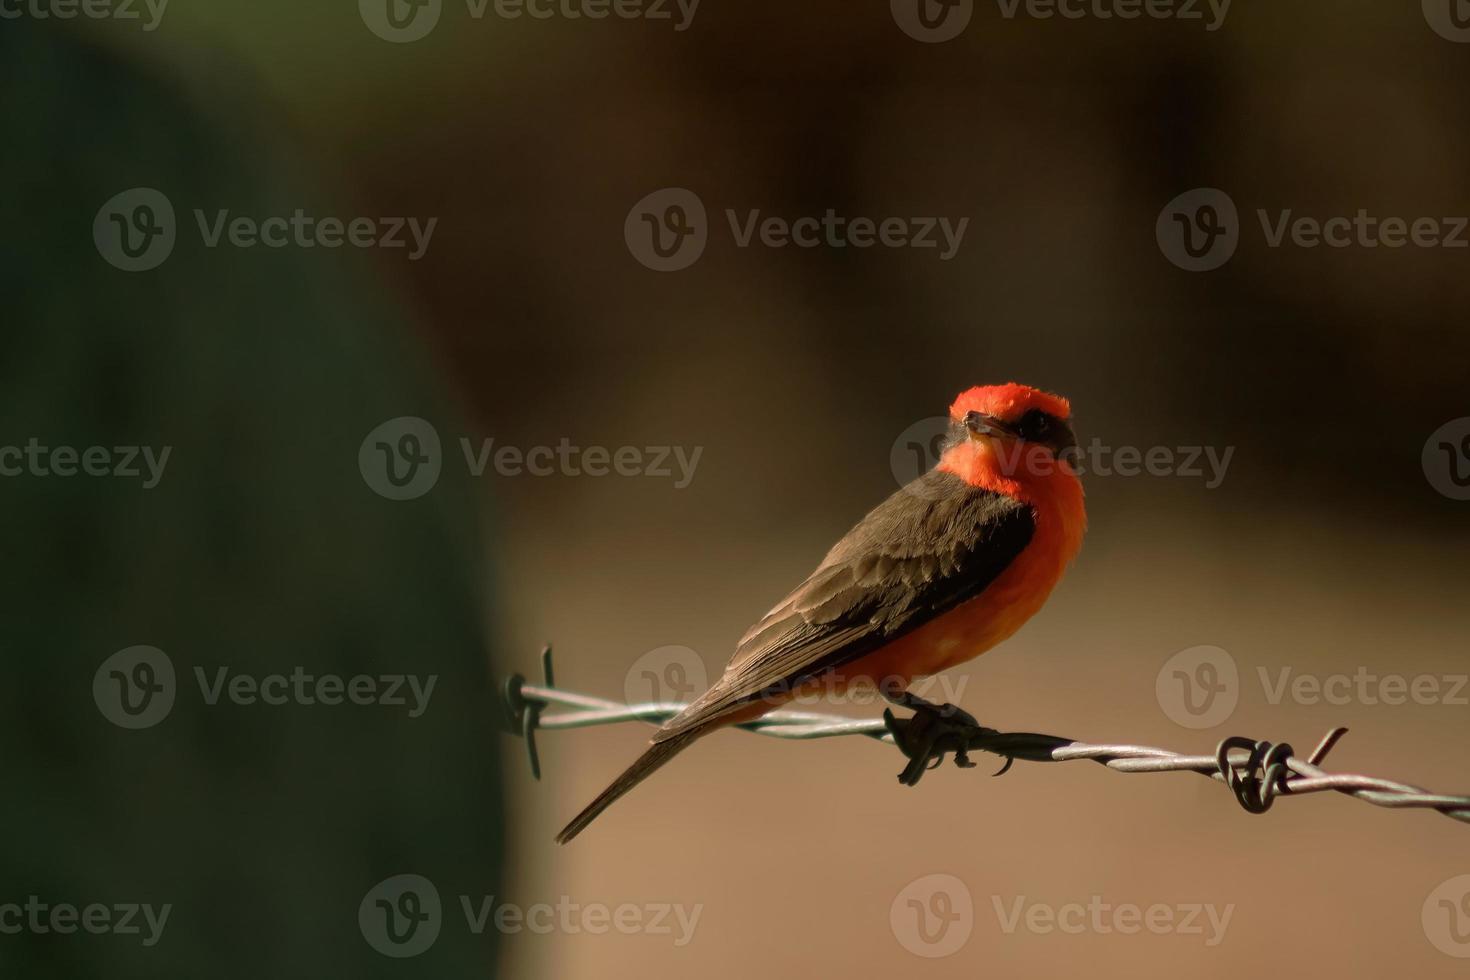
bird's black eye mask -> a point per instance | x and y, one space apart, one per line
1054 433
1035 426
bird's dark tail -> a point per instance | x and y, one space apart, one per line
652 758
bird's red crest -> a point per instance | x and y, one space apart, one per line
1008 401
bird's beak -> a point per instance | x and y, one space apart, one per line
982 426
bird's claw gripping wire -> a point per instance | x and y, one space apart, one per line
933 732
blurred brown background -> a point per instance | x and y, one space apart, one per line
1325 549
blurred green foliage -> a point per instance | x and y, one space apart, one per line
262 550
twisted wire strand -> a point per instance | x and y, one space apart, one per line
1257 772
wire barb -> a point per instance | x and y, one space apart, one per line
525 713
1256 772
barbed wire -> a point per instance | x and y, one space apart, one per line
1257 772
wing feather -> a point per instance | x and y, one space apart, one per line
924 550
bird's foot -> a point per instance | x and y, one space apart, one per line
933 731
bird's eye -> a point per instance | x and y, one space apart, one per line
1035 425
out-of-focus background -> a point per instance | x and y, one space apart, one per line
1323 547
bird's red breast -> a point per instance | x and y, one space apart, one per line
1016 595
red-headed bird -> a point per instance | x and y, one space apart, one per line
940 572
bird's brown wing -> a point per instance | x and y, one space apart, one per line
924 550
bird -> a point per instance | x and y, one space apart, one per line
947 567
